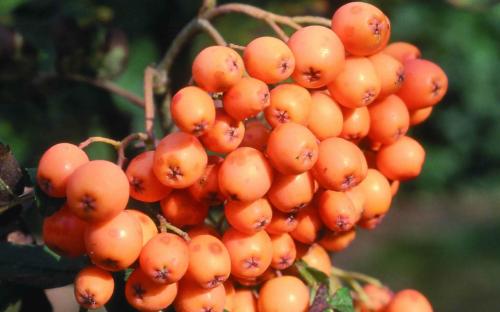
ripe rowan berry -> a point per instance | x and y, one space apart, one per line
193 298
283 294
248 217
225 135
206 188
144 185
409 300
181 209
389 120
148 226
97 191
402 51
93 287
114 245
63 233
164 259
284 252
292 148
246 99
179 160
256 135
402 160
357 123
289 103
290 193
390 71
251 254
316 257
209 261
217 68
379 297
193 110
245 175
56 165
319 56
337 211
146 295
308 225
325 118
336 242
268 59
362 27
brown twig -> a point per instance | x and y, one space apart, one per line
17 201
125 142
236 46
277 29
87 142
108 86
207 27
312 20
166 226
149 105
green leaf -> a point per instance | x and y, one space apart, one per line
342 300
310 274
37 266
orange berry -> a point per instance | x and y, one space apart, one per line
209 261
93 287
389 120
357 84
145 295
319 56
217 68
325 118
316 257
425 84
230 291
390 71
245 175
409 300
402 160
148 226
206 189
248 217
379 297
244 301
114 245
63 233
164 259
362 27
256 135
194 298
356 123
292 148
282 222
336 242
251 254
340 166
289 103
377 194
246 99
283 294
308 225
268 59
402 51
181 209
56 166
193 110
225 135
337 211
97 191
144 185
284 251
179 160
418 116
290 193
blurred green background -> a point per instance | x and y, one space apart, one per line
442 235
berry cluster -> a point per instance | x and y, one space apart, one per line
299 142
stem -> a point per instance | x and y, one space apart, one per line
252 11
165 226
348 275
359 291
277 29
87 142
149 105
236 46
126 142
212 32
17 201
312 20
108 86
